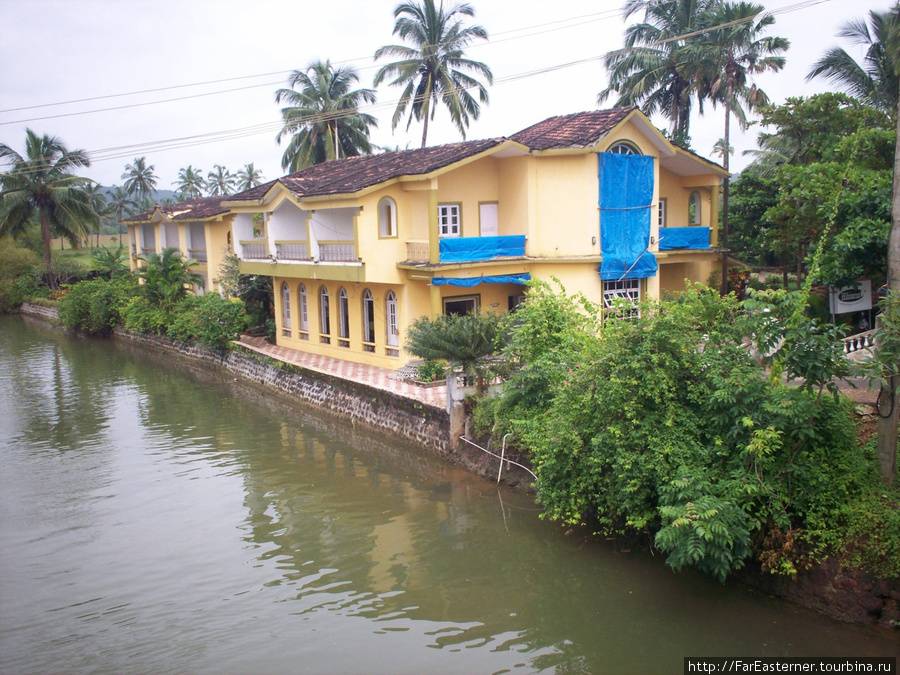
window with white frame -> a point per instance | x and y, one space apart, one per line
324 317
304 312
624 148
343 318
449 220
285 309
392 324
616 293
368 314
387 217
661 213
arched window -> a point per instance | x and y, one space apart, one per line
343 319
368 316
624 148
387 217
324 317
304 312
285 309
392 321
694 208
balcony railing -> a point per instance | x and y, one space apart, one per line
147 251
254 249
198 254
474 249
337 251
292 250
679 238
417 251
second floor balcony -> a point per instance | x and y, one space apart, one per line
198 254
469 249
691 237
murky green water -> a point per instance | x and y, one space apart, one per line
157 519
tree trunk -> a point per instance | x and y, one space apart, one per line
887 426
723 242
45 238
425 129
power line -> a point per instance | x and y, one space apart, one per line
119 152
599 16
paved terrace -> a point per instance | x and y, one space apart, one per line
373 376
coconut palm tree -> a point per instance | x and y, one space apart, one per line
655 72
100 205
219 181
321 116
739 50
140 178
190 183
121 203
41 186
432 68
248 177
721 149
875 81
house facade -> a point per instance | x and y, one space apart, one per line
361 247
199 229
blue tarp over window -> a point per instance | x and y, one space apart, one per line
469 282
626 194
683 237
469 249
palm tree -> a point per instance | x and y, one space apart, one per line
167 277
121 203
322 117
99 204
140 178
739 51
433 68
219 181
190 183
721 149
248 177
40 185
654 71
875 82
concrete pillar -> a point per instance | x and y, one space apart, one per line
434 230
437 305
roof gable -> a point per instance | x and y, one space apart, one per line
577 130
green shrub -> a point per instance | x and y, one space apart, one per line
431 371
94 306
139 316
20 277
666 425
209 319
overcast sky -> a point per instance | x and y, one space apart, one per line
58 50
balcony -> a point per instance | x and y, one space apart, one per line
337 251
681 238
417 251
147 251
254 249
477 249
198 254
292 250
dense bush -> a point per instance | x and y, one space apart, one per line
19 275
668 425
209 319
95 306
140 316
462 340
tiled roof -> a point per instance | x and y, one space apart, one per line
571 131
351 174
191 209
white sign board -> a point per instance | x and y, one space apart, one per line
854 298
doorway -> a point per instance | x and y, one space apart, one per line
461 305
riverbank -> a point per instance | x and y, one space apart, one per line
846 595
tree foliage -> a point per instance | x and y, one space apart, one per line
463 340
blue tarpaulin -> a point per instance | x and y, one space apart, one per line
683 237
469 249
626 195
469 282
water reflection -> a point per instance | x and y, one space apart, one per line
195 523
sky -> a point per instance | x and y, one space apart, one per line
59 50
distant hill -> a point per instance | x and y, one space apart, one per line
157 196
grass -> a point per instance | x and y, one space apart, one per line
81 257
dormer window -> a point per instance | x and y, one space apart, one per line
387 218
624 148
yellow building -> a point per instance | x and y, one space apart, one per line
359 248
200 229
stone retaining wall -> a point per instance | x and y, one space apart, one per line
48 313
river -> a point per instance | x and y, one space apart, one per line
155 517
